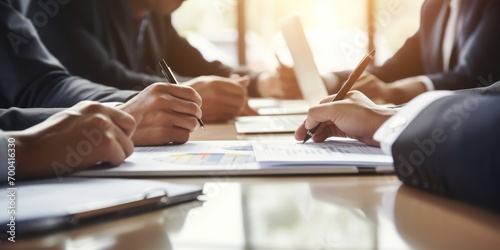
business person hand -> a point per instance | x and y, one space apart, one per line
164 113
246 110
398 92
355 117
375 89
223 98
74 139
280 84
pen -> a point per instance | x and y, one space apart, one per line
353 77
167 73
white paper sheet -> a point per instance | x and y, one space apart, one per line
329 152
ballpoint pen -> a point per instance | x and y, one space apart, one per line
167 73
353 77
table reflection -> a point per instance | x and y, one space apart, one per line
292 215
427 221
349 212
144 231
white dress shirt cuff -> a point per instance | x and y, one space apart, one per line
427 82
3 158
392 128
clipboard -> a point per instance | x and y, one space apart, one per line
48 205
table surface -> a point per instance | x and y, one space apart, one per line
312 212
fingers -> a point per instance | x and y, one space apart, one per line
229 88
300 133
124 141
184 107
94 109
286 72
318 114
247 111
114 154
182 92
117 146
223 98
323 114
123 120
188 123
219 113
326 131
179 135
160 134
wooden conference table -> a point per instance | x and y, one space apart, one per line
301 212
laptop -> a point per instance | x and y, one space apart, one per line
310 83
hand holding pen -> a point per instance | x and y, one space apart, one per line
353 77
167 73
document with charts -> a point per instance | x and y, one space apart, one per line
229 158
325 153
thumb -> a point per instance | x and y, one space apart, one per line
320 113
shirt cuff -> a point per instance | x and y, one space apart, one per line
3 158
429 85
392 128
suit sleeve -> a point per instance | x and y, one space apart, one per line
451 148
493 89
82 53
14 119
31 77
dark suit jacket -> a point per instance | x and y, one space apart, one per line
452 148
475 57
95 39
30 77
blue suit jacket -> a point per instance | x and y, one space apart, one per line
452 148
475 59
30 77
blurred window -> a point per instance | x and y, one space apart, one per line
336 29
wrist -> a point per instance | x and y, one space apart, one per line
405 90
384 114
